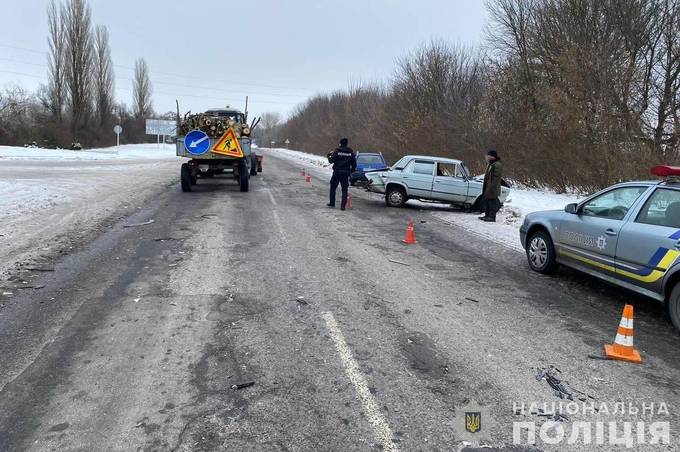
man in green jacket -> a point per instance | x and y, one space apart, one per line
491 190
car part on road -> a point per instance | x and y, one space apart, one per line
395 196
134 225
541 253
242 385
185 177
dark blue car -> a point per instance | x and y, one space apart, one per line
367 161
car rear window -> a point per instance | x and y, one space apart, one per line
370 158
661 209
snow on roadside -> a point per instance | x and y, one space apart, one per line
126 152
506 229
302 158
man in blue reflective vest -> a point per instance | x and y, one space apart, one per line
344 163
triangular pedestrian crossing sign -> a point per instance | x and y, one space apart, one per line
228 145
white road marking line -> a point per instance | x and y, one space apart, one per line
381 428
271 196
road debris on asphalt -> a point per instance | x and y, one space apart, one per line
472 299
561 388
40 269
242 385
399 262
302 300
134 225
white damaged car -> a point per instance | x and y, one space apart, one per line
433 179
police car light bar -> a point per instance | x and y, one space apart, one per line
666 171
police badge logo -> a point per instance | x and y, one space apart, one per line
468 425
473 421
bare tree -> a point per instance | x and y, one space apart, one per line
141 86
103 76
79 56
268 127
56 92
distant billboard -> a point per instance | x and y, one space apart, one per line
161 127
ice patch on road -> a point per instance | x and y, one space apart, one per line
126 152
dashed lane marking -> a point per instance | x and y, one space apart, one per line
381 428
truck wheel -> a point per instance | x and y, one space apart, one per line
253 165
674 306
243 176
541 253
185 177
395 197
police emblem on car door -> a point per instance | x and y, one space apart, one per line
589 237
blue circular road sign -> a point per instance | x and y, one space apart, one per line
197 142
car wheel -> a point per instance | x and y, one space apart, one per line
674 306
395 197
541 253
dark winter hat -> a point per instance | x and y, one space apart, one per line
492 153
344 141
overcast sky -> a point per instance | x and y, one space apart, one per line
209 54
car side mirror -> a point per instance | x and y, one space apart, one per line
571 208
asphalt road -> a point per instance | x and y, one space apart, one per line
137 337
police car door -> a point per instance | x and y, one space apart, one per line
648 244
418 177
588 238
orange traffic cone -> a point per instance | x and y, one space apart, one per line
348 204
623 349
410 237
308 178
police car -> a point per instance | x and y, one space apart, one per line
627 234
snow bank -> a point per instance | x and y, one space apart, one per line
126 152
301 157
506 229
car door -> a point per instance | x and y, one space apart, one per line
418 177
649 244
588 238
449 183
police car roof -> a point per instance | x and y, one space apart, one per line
438 159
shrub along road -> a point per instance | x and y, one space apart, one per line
352 340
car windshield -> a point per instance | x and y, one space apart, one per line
401 163
370 158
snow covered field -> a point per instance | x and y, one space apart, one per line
47 194
505 231
126 152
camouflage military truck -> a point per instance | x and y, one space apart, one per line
217 142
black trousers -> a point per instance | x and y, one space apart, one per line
491 207
342 178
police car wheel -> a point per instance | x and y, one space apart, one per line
674 306
185 177
541 253
395 197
